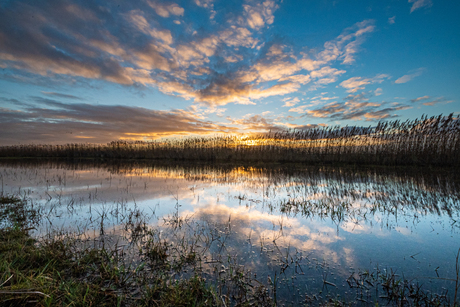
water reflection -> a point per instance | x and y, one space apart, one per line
309 224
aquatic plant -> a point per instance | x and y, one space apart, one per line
114 255
188 265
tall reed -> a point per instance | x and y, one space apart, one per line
424 141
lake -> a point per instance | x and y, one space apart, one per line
308 232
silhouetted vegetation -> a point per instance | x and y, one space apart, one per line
425 141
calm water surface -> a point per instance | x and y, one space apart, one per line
305 224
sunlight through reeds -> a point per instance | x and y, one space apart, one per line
425 141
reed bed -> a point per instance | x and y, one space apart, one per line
425 141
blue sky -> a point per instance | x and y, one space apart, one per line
97 71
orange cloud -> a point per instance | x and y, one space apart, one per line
228 65
358 83
55 122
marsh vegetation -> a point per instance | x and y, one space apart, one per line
150 234
426 141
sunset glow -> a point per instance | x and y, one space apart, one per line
96 71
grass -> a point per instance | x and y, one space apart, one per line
426 141
43 274
60 272
64 271
50 273
167 273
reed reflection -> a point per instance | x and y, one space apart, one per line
301 221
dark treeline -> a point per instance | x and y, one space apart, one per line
425 141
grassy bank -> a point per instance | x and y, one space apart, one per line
53 272
427 141
61 270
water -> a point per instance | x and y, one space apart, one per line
304 229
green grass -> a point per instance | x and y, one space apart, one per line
53 273
45 274
61 271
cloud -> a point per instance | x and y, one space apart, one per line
391 20
347 44
354 107
290 102
327 110
407 78
52 121
257 16
209 5
384 113
164 10
54 94
224 63
417 4
322 98
280 64
369 112
420 98
138 20
38 47
439 100
237 36
45 120
254 122
260 226
299 109
264 123
204 3
326 75
358 83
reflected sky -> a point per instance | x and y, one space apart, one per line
335 220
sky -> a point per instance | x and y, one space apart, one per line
98 71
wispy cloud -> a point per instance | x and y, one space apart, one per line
60 95
391 20
420 98
408 77
417 4
358 83
224 63
435 101
290 102
354 107
369 112
326 75
300 109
